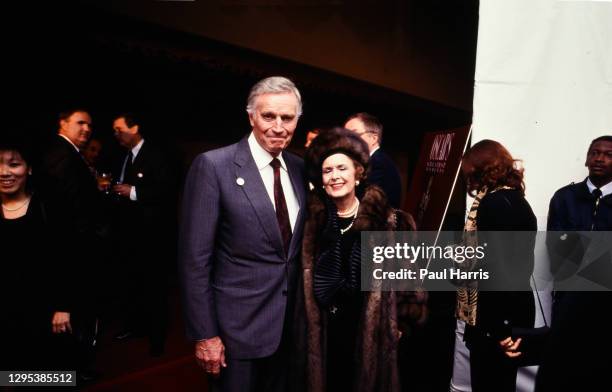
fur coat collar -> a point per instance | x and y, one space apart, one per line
376 368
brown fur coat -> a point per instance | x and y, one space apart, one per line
379 328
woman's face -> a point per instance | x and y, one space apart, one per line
13 173
339 175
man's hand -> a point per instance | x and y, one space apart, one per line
509 347
210 355
60 323
122 190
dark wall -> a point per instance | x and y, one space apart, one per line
69 55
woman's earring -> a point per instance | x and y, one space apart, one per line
357 183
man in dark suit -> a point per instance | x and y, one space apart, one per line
382 169
243 212
581 321
145 229
73 203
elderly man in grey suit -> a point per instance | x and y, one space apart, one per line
243 213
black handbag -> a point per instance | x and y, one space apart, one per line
534 340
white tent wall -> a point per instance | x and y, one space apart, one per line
543 88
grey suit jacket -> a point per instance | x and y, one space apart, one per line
237 281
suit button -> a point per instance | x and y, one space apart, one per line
285 293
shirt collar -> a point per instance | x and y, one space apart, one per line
262 157
136 148
374 150
70 141
605 190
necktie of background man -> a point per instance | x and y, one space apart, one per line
127 168
597 195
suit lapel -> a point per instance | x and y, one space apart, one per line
78 157
297 181
85 174
256 193
138 164
140 158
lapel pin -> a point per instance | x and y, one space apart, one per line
139 175
240 181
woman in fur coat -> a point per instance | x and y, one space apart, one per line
351 336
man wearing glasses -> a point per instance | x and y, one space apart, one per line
382 169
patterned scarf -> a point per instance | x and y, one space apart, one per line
467 295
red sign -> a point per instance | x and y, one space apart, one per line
435 175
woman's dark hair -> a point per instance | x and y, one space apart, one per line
489 164
18 145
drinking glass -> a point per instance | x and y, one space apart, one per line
104 182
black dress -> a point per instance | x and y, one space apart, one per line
509 260
29 290
337 290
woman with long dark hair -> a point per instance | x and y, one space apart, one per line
502 218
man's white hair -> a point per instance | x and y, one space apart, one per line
273 85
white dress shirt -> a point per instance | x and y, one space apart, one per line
262 161
374 150
605 190
135 151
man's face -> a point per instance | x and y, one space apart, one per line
92 151
274 121
126 136
357 126
77 128
599 162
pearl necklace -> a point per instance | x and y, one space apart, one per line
5 208
350 211
356 209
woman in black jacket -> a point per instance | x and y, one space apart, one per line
502 218
32 288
